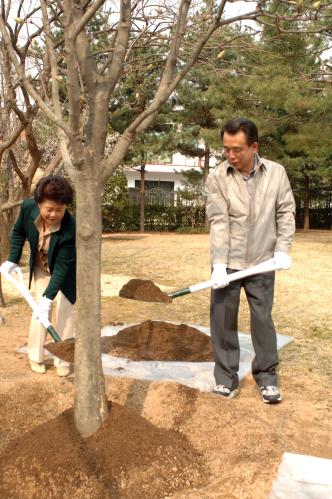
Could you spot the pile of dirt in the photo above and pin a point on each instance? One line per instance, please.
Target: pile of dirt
(143, 290)
(127, 457)
(157, 340)
(149, 340)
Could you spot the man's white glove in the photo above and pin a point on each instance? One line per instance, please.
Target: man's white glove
(43, 310)
(283, 260)
(219, 276)
(8, 267)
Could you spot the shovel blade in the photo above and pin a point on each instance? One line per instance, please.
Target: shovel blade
(65, 350)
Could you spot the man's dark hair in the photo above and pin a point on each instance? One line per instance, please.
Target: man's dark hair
(241, 125)
(54, 188)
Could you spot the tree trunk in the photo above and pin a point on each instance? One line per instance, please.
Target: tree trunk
(90, 398)
(2, 299)
(306, 198)
(206, 172)
(142, 200)
(4, 240)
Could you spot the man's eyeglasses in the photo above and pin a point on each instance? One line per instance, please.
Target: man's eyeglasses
(235, 150)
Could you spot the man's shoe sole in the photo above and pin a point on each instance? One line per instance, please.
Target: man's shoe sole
(272, 401)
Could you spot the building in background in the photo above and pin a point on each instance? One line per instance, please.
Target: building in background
(164, 176)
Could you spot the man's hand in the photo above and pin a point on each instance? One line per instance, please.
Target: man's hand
(283, 260)
(219, 276)
(44, 308)
(8, 267)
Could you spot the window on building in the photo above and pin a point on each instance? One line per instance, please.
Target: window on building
(155, 184)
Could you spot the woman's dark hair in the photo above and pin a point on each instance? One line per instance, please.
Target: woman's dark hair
(241, 125)
(54, 188)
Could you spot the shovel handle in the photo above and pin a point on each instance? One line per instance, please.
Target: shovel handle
(19, 284)
(267, 266)
(50, 329)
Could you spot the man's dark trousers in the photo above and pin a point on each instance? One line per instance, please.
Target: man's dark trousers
(225, 302)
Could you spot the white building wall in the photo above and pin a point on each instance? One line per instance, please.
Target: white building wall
(167, 172)
(177, 178)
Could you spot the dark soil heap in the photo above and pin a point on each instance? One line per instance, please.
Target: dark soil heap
(149, 340)
(143, 290)
(156, 340)
(127, 457)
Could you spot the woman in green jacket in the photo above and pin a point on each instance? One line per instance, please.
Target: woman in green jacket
(50, 230)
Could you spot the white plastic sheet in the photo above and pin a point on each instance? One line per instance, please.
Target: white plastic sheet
(194, 374)
(303, 477)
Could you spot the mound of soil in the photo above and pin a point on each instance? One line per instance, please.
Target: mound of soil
(149, 340)
(157, 340)
(127, 457)
(143, 290)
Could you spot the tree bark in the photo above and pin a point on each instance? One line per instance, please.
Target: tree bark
(90, 397)
(4, 240)
(306, 198)
(2, 299)
(206, 172)
(142, 200)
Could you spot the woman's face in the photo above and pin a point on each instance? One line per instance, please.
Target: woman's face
(51, 212)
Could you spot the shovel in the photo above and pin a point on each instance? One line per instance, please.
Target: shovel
(19, 284)
(267, 266)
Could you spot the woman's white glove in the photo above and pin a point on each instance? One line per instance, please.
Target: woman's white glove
(283, 260)
(219, 275)
(8, 267)
(44, 308)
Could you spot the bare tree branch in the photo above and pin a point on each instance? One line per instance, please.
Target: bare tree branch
(10, 205)
(87, 16)
(17, 170)
(54, 163)
(23, 77)
(11, 139)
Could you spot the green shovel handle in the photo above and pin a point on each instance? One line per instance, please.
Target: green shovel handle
(179, 292)
(53, 333)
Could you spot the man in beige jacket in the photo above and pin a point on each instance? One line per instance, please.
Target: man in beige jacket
(251, 209)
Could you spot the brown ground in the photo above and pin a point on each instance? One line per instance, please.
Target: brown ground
(163, 439)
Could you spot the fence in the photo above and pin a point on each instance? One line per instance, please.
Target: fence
(320, 206)
(161, 197)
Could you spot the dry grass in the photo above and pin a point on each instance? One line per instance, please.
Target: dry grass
(241, 440)
(302, 295)
(302, 299)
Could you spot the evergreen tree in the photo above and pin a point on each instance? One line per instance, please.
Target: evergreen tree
(293, 108)
(157, 141)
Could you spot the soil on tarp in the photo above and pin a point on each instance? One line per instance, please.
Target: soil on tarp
(149, 340)
(127, 457)
(157, 340)
(143, 290)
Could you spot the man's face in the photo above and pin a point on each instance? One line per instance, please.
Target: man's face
(51, 212)
(238, 153)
